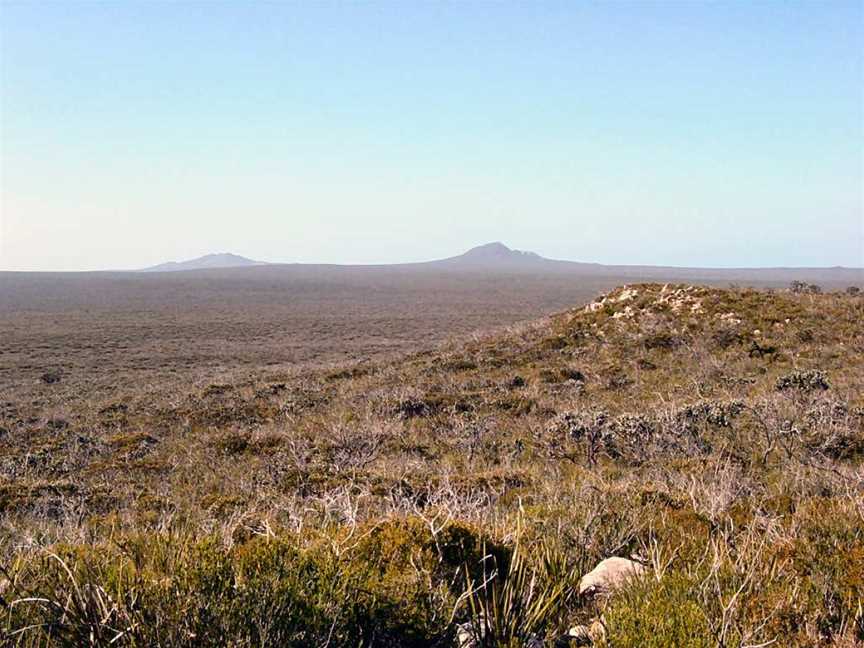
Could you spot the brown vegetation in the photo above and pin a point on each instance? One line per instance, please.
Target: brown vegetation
(389, 501)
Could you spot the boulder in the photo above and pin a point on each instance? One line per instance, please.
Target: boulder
(610, 574)
(583, 635)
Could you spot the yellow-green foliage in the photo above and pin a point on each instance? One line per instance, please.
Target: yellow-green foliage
(664, 614)
(393, 581)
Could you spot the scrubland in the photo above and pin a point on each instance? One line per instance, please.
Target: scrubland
(715, 435)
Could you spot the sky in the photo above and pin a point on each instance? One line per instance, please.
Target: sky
(682, 132)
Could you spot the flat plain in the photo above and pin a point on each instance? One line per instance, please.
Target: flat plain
(124, 327)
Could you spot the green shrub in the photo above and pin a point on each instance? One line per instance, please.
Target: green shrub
(649, 614)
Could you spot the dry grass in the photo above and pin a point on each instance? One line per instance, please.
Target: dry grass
(718, 434)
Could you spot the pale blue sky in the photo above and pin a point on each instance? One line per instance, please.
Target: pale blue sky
(673, 133)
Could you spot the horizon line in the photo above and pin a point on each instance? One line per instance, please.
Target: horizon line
(537, 257)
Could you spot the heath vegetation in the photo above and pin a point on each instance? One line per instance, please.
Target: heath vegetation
(457, 495)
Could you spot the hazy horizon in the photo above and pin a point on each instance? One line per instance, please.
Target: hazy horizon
(277, 262)
(691, 135)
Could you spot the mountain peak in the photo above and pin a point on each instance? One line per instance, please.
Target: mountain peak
(497, 252)
(223, 256)
(215, 260)
(496, 247)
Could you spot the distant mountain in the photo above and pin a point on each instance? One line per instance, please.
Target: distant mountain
(223, 260)
(492, 256)
(497, 253)
(497, 257)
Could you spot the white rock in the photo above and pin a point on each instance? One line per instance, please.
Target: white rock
(730, 318)
(627, 293)
(587, 635)
(610, 574)
(465, 636)
(580, 632)
(626, 313)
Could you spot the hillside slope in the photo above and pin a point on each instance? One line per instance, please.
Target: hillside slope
(716, 435)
